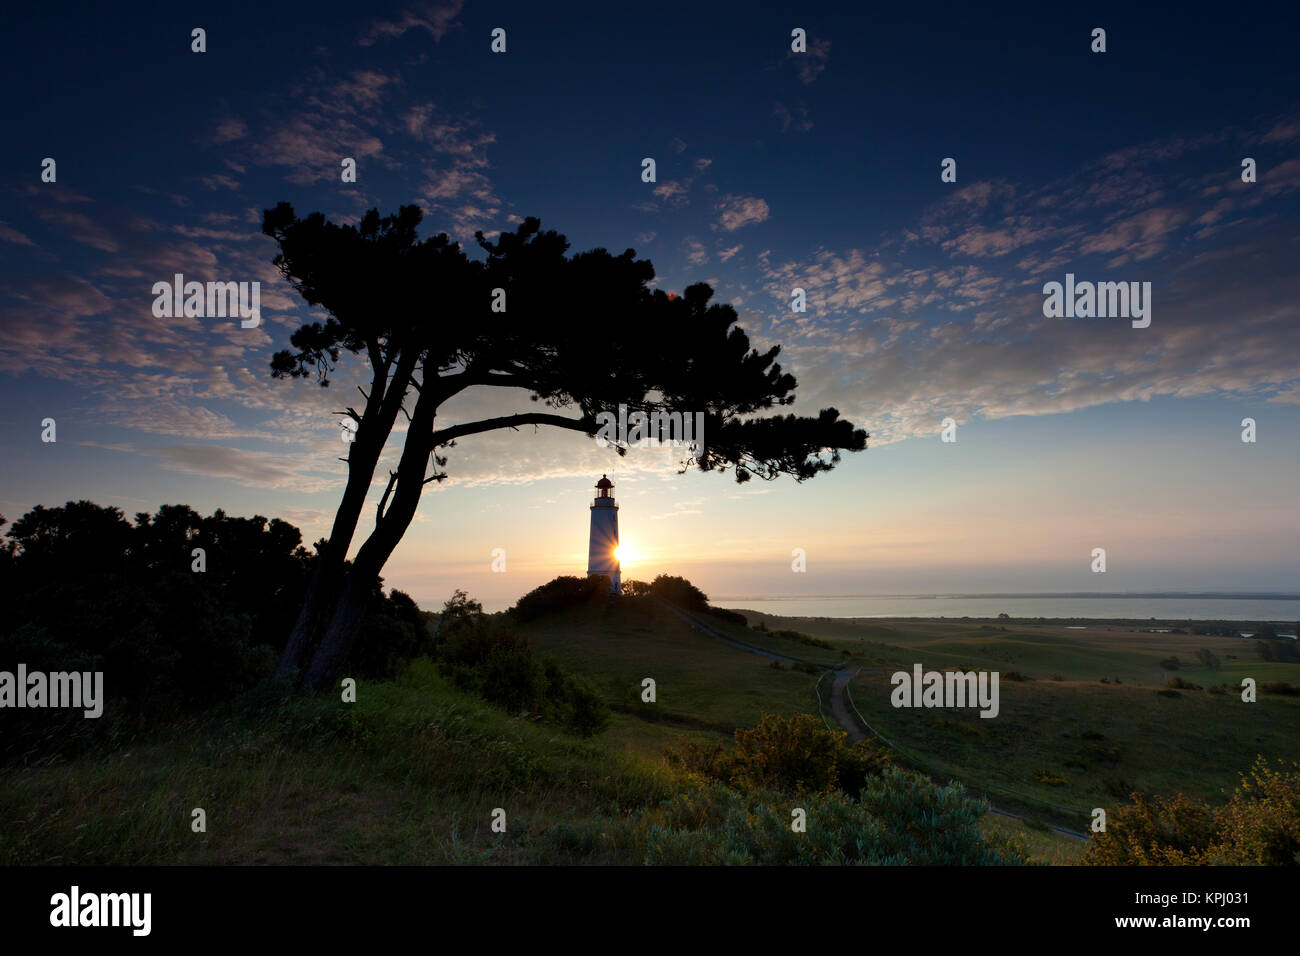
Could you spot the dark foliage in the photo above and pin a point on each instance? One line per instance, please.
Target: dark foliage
(87, 590)
(560, 594)
(680, 592)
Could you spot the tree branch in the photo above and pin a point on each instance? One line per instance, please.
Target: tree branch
(392, 480)
(587, 425)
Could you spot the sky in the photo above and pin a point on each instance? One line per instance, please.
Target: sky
(775, 169)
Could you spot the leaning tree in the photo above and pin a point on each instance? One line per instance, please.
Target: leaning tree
(579, 334)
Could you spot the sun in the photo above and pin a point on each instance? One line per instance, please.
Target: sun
(623, 554)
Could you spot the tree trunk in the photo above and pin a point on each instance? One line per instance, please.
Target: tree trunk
(323, 587)
(336, 645)
(382, 406)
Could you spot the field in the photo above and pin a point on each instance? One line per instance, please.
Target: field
(1092, 720)
(412, 772)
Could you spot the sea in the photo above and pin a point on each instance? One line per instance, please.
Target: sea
(1284, 608)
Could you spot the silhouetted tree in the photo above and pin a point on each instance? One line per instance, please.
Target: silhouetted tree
(583, 333)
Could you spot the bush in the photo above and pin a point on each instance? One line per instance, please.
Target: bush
(795, 754)
(1260, 826)
(899, 818)
(494, 661)
(633, 588)
(558, 595)
(680, 592)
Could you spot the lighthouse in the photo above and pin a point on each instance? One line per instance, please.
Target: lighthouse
(602, 557)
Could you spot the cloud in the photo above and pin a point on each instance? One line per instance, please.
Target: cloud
(1138, 237)
(736, 211)
(792, 119)
(219, 181)
(10, 234)
(229, 130)
(1283, 131)
(436, 19)
(252, 468)
(811, 64)
(81, 228)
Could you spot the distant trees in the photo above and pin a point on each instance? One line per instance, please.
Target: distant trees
(1282, 651)
(1208, 658)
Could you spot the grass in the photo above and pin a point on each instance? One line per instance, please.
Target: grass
(1074, 741)
(412, 772)
(701, 684)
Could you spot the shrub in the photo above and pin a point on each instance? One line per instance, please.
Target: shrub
(491, 659)
(680, 592)
(899, 818)
(794, 754)
(1260, 826)
(558, 595)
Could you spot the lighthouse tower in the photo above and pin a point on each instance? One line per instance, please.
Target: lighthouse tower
(601, 558)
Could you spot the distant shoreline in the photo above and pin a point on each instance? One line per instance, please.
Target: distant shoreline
(1072, 595)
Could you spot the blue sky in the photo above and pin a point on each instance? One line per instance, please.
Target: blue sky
(774, 170)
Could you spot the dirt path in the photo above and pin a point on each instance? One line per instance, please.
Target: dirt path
(839, 709)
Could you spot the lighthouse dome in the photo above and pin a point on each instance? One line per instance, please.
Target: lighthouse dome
(604, 482)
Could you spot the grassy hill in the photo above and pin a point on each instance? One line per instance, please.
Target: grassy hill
(413, 771)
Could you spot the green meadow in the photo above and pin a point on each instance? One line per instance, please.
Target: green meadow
(413, 771)
(1092, 718)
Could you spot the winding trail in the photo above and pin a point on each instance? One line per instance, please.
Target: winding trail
(839, 708)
